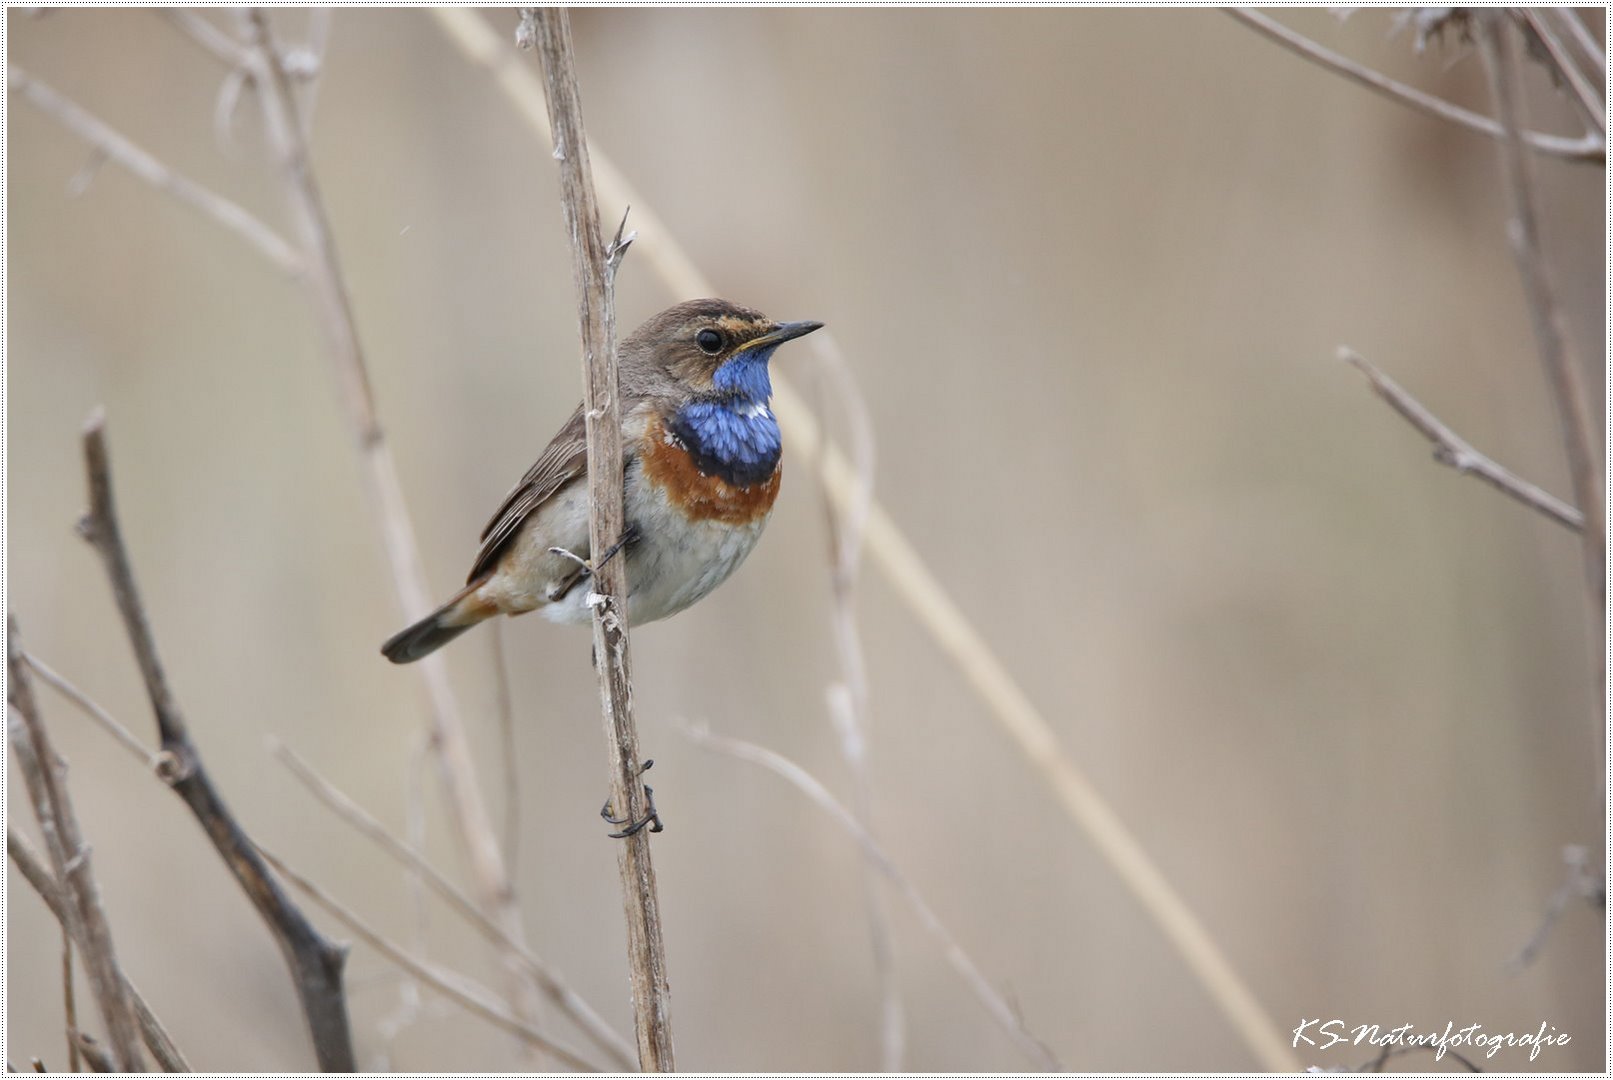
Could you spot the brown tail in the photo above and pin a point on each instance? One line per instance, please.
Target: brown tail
(459, 614)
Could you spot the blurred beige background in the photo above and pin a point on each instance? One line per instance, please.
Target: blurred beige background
(1090, 270)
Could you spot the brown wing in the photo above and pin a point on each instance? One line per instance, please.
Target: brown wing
(565, 459)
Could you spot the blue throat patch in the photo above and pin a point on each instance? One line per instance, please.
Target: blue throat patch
(736, 438)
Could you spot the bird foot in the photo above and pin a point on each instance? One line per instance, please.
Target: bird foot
(651, 817)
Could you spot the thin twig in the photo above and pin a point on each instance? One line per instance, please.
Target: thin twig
(1453, 450)
(220, 45)
(594, 270)
(996, 1005)
(1585, 96)
(1564, 374)
(45, 776)
(504, 709)
(848, 699)
(475, 998)
(456, 765)
(1586, 42)
(316, 964)
(917, 587)
(119, 149)
(69, 1002)
(155, 760)
(551, 981)
(1582, 882)
(34, 871)
(1588, 147)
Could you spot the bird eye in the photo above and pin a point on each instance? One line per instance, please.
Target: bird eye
(710, 342)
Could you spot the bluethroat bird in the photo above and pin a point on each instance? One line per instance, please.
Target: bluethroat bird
(701, 452)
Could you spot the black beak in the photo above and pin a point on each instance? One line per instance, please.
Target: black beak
(783, 332)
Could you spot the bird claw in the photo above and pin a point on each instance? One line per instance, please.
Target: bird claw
(651, 817)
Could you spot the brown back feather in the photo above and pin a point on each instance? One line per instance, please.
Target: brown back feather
(564, 461)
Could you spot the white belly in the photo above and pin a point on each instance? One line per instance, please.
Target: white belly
(674, 562)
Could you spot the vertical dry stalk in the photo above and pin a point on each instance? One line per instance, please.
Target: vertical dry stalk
(1564, 375)
(45, 775)
(594, 268)
(328, 291)
(316, 964)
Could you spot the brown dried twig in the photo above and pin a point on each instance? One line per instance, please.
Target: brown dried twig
(996, 1005)
(550, 981)
(451, 984)
(316, 963)
(45, 776)
(33, 870)
(456, 765)
(1453, 450)
(594, 269)
(1589, 147)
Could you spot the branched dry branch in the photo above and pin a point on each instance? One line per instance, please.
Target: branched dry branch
(552, 983)
(45, 776)
(34, 871)
(1453, 450)
(475, 998)
(119, 149)
(996, 1005)
(316, 964)
(1589, 147)
(594, 270)
(328, 290)
(917, 587)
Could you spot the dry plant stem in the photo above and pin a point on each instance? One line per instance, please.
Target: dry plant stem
(808, 785)
(69, 1003)
(1585, 41)
(919, 590)
(465, 991)
(1451, 449)
(848, 700)
(131, 157)
(593, 269)
(225, 49)
(1585, 96)
(456, 767)
(1564, 375)
(506, 736)
(94, 1056)
(157, 762)
(565, 999)
(1590, 147)
(45, 776)
(33, 869)
(316, 964)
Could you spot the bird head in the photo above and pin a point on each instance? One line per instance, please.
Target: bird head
(715, 349)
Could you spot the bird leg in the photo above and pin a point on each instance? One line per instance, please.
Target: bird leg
(585, 567)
